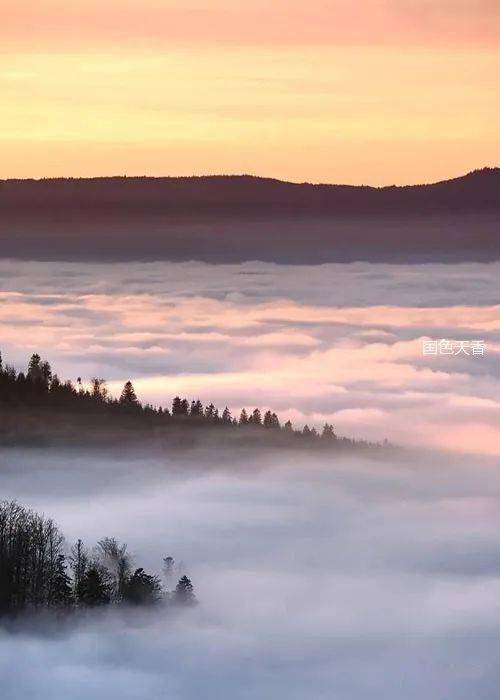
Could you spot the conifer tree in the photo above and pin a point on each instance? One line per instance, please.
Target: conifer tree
(210, 412)
(256, 417)
(142, 588)
(328, 433)
(176, 406)
(93, 590)
(61, 594)
(184, 592)
(128, 396)
(33, 372)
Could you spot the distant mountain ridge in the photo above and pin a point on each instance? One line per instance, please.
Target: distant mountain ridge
(229, 219)
(237, 194)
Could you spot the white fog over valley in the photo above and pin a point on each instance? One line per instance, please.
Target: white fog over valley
(318, 575)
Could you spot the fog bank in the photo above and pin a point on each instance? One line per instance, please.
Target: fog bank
(354, 578)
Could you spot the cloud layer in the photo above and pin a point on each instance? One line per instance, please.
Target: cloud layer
(348, 577)
(339, 343)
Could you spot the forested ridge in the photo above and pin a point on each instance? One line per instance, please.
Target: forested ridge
(38, 398)
(231, 219)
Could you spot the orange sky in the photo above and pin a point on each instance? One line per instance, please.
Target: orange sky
(378, 91)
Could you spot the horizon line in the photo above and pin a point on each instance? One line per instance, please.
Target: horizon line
(242, 175)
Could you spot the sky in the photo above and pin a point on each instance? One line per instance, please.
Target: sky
(379, 92)
(332, 343)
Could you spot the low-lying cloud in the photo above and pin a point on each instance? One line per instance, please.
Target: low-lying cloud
(335, 343)
(347, 577)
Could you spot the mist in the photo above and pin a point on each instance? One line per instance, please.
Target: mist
(335, 343)
(353, 577)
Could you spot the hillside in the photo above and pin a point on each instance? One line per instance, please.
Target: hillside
(235, 218)
(37, 408)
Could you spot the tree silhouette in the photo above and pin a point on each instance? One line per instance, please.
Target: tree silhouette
(196, 408)
(30, 546)
(176, 406)
(256, 417)
(168, 569)
(210, 412)
(33, 373)
(328, 433)
(128, 396)
(61, 593)
(93, 590)
(184, 592)
(99, 391)
(142, 588)
(78, 561)
(115, 559)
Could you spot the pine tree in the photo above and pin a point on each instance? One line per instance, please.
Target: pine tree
(93, 590)
(210, 412)
(226, 416)
(176, 406)
(142, 588)
(61, 594)
(128, 396)
(196, 408)
(33, 372)
(45, 372)
(256, 417)
(184, 592)
(268, 419)
(243, 417)
(328, 433)
(288, 426)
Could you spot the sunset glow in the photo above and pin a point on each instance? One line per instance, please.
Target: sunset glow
(330, 92)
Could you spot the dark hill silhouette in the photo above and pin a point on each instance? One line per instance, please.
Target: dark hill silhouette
(234, 218)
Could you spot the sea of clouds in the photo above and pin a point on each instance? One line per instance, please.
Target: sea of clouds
(344, 577)
(337, 343)
(316, 577)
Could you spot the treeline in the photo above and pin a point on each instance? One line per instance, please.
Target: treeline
(40, 387)
(36, 571)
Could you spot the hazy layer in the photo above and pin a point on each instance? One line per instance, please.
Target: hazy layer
(352, 579)
(337, 343)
